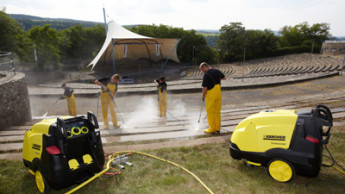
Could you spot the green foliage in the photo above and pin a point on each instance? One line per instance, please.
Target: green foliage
(78, 42)
(259, 43)
(234, 38)
(69, 46)
(47, 42)
(303, 34)
(231, 41)
(189, 38)
(10, 33)
(302, 37)
(211, 39)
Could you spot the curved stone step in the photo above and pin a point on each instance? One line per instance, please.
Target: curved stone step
(334, 67)
(329, 66)
(322, 67)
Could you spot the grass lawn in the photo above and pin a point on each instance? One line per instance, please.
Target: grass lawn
(211, 163)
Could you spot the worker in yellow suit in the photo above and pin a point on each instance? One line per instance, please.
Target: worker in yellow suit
(212, 92)
(108, 91)
(69, 96)
(162, 96)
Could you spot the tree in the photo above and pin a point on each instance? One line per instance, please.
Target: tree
(47, 41)
(78, 42)
(259, 43)
(231, 41)
(9, 30)
(301, 36)
(13, 38)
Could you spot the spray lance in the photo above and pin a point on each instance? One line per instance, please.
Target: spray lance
(202, 106)
(111, 97)
(46, 113)
(169, 112)
(158, 98)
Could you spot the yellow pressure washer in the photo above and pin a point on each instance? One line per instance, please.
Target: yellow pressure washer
(63, 151)
(284, 141)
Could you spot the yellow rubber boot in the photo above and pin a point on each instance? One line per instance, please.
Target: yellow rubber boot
(213, 106)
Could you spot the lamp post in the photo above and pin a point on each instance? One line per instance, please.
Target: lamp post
(218, 56)
(194, 55)
(244, 58)
(312, 50)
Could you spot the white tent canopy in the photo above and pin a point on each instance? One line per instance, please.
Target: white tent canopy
(134, 46)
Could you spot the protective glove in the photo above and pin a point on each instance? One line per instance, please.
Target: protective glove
(105, 88)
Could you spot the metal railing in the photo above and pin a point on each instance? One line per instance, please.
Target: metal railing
(6, 62)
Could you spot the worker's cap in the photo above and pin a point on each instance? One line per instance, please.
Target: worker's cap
(63, 85)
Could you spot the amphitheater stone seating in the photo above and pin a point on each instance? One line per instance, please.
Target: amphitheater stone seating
(277, 66)
(291, 65)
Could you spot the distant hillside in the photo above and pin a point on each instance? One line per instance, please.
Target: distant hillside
(28, 22)
(205, 31)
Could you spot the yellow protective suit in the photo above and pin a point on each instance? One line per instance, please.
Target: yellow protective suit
(213, 107)
(107, 102)
(71, 105)
(162, 103)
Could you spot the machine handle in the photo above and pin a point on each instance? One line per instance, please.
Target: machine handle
(93, 119)
(61, 126)
(328, 112)
(324, 113)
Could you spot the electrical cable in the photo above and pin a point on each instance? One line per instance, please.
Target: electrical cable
(172, 163)
(334, 163)
(92, 178)
(113, 157)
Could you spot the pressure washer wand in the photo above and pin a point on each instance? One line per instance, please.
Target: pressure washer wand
(45, 114)
(202, 105)
(99, 96)
(173, 116)
(118, 110)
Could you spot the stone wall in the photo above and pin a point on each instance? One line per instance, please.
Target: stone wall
(14, 99)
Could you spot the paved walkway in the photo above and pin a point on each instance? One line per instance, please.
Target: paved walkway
(252, 74)
(179, 86)
(181, 131)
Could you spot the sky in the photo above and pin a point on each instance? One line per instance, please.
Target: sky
(191, 14)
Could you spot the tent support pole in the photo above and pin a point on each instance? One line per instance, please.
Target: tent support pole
(166, 61)
(113, 51)
(148, 52)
